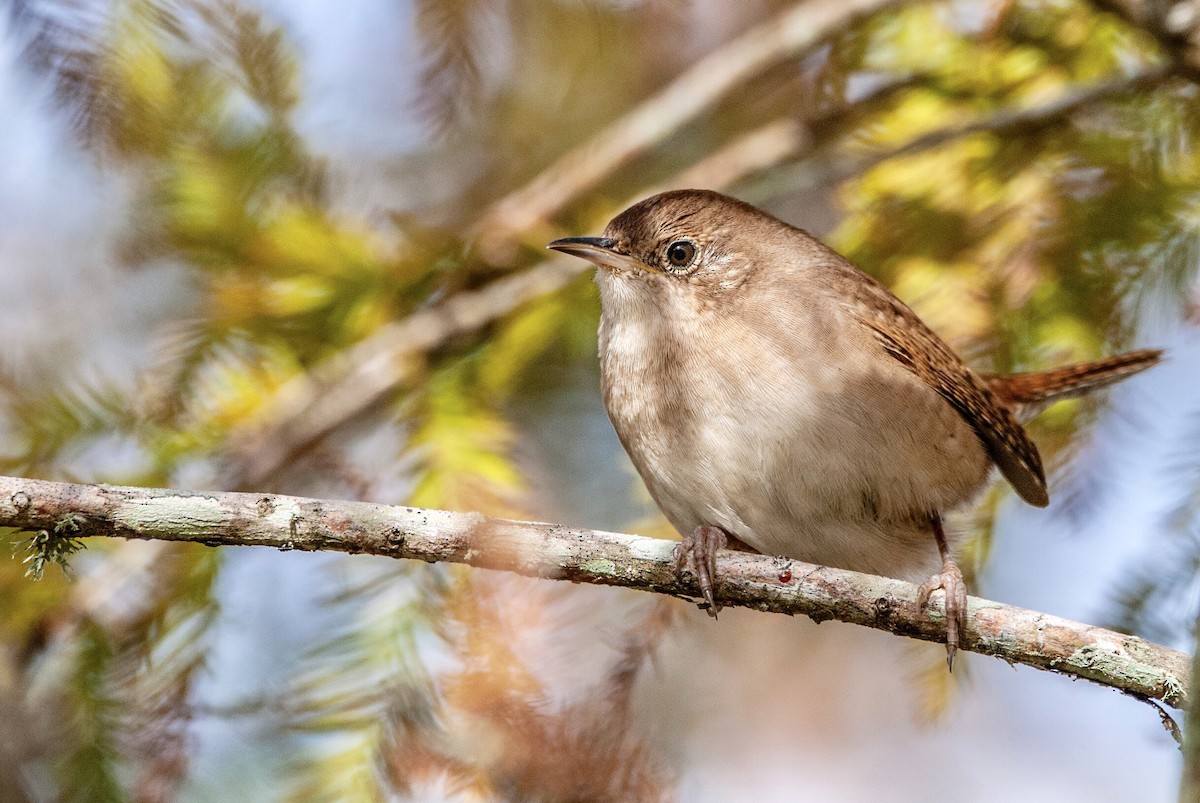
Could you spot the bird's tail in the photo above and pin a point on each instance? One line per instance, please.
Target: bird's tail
(1042, 387)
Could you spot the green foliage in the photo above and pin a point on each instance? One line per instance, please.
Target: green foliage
(51, 426)
(89, 767)
(363, 686)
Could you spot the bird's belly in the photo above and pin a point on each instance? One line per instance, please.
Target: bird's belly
(831, 473)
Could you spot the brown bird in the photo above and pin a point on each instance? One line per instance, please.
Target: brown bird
(771, 393)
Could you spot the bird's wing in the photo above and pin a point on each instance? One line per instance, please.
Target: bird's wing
(907, 339)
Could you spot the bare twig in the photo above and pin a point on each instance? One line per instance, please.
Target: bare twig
(553, 551)
(1168, 722)
(339, 390)
(697, 90)
(758, 150)
(1006, 121)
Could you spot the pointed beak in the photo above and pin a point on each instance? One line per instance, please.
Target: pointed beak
(600, 251)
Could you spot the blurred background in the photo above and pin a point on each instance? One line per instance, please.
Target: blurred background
(299, 247)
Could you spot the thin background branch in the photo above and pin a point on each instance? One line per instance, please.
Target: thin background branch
(697, 90)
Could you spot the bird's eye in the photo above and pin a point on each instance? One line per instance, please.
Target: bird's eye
(681, 253)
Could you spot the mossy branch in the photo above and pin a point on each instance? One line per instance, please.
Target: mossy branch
(1129, 664)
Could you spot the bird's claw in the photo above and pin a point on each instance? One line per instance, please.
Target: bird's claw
(949, 580)
(697, 552)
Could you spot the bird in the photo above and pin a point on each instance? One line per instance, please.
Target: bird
(774, 397)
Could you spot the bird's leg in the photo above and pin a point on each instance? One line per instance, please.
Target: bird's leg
(950, 580)
(698, 552)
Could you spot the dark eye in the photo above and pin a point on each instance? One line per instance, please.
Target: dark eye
(681, 253)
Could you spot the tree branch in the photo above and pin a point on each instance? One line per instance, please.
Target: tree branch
(692, 93)
(1009, 121)
(552, 551)
(314, 404)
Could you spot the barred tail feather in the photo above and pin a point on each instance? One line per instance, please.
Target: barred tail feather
(1041, 387)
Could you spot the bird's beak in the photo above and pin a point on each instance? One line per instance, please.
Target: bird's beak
(600, 251)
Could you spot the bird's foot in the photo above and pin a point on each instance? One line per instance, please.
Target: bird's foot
(697, 552)
(950, 581)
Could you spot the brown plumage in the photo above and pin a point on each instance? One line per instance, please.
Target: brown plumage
(905, 337)
(768, 390)
(1043, 387)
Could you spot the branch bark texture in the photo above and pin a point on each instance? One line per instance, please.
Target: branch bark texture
(553, 551)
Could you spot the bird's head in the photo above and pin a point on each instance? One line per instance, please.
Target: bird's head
(683, 244)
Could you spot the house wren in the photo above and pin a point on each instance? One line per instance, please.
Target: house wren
(770, 392)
